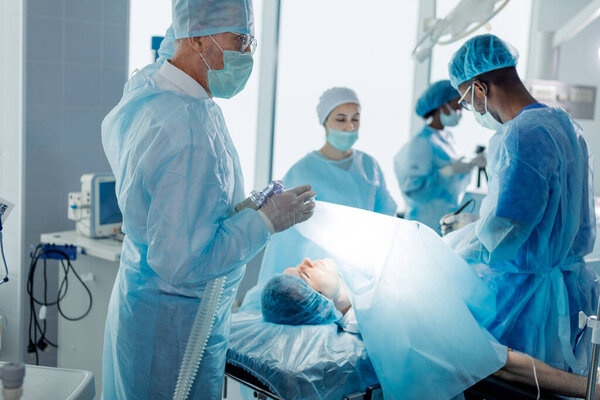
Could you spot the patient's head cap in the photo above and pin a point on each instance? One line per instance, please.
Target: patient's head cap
(287, 299)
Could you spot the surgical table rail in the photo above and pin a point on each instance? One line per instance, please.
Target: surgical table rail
(491, 388)
(261, 391)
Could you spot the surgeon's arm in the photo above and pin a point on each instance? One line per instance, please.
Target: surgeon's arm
(517, 198)
(519, 368)
(192, 236)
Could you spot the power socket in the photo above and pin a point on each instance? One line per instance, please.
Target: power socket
(6, 208)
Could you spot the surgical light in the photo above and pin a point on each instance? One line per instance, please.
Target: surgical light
(464, 19)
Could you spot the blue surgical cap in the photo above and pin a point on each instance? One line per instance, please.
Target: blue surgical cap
(193, 18)
(437, 93)
(480, 54)
(287, 299)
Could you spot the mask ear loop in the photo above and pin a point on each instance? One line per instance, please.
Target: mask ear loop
(203, 59)
(485, 98)
(213, 39)
(473, 96)
(201, 55)
(444, 107)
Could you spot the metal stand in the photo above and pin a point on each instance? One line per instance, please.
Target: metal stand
(592, 322)
(484, 172)
(480, 150)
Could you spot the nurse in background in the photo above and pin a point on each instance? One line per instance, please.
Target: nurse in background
(431, 176)
(337, 172)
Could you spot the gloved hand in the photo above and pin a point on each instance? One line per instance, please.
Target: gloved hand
(289, 208)
(457, 168)
(451, 222)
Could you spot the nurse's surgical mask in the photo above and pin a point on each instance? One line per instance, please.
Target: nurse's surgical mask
(450, 119)
(237, 67)
(342, 140)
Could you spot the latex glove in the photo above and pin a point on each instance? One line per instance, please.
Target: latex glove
(289, 208)
(480, 161)
(451, 222)
(457, 168)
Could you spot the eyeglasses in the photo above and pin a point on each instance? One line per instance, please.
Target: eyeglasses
(463, 103)
(246, 40)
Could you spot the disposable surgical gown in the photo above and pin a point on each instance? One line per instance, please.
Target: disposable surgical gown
(177, 179)
(537, 223)
(428, 194)
(356, 181)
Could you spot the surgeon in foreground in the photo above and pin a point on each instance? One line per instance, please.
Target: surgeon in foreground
(537, 220)
(178, 180)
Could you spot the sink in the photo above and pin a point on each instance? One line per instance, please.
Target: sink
(57, 383)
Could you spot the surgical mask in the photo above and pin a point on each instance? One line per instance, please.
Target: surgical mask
(450, 119)
(342, 140)
(486, 119)
(229, 81)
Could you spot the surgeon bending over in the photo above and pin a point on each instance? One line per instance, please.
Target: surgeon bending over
(537, 220)
(313, 293)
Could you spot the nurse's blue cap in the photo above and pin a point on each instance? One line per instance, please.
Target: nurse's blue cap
(437, 93)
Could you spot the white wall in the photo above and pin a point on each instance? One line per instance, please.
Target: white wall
(148, 18)
(578, 61)
(63, 68)
(75, 68)
(362, 45)
(11, 173)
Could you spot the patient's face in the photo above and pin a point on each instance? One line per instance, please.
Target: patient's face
(321, 275)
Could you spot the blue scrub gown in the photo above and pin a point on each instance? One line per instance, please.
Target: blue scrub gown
(356, 181)
(429, 195)
(537, 222)
(178, 178)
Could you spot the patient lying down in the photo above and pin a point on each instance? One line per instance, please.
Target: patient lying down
(313, 293)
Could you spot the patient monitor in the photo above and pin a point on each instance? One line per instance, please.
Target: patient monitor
(95, 208)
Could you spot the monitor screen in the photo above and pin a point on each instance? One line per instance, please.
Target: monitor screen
(109, 208)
